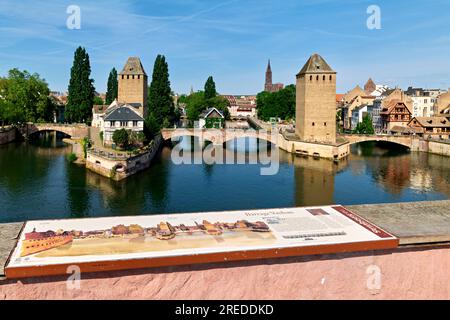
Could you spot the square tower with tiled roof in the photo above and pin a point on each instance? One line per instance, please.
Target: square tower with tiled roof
(133, 85)
(316, 102)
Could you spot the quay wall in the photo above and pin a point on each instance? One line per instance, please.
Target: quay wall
(7, 135)
(431, 146)
(109, 166)
(333, 152)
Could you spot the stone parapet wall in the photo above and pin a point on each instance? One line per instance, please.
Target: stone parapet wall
(416, 273)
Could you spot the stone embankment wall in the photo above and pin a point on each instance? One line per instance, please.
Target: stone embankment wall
(119, 169)
(431, 146)
(7, 135)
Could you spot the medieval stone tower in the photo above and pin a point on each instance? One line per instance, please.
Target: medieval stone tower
(133, 85)
(316, 102)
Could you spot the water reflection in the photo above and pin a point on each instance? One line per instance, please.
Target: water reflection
(37, 182)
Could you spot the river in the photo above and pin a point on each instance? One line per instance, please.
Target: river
(37, 182)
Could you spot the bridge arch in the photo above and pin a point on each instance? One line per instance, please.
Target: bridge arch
(75, 131)
(405, 141)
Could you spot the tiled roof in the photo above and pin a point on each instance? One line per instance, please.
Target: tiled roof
(316, 64)
(123, 113)
(208, 111)
(433, 122)
(133, 66)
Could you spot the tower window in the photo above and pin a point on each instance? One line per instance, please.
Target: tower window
(128, 77)
(323, 78)
(310, 78)
(132, 76)
(139, 76)
(325, 124)
(317, 78)
(331, 78)
(313, 124)
(123, 77)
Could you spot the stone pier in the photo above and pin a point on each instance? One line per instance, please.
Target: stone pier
(418, 269)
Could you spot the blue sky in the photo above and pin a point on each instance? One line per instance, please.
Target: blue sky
(232, 40)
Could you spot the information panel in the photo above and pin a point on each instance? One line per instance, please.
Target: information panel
(100, 244)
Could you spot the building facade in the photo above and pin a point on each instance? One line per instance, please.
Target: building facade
(359, 113)
(431, 127)
(316, 102)
(123, 117)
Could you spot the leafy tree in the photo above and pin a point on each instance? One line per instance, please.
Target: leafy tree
(197, 102)
(210, 88)
(98, 100)
(120, 137)
(113, 87)
(81, 89)
(160, 101)
(279, 104)
(25, 97)
(151, 126)
(365, 127)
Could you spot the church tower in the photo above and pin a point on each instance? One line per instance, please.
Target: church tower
(316, 102)
(133, 85)
(268, 85)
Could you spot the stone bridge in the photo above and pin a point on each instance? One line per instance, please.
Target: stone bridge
(406, 141)
(75, 131)
(218, 136)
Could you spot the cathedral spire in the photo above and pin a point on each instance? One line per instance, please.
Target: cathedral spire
(268, 85)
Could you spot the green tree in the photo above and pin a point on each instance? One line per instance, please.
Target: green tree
(81, 89)
(365, 127)
(98, 100)
(120, 137)
(279, 104)
(160, 101)
(25, 97)
(210, 88)
(113, 87)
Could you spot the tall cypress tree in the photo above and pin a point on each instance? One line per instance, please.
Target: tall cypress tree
(81, 89)
(210, 88)
(160, 102)
(113, 87)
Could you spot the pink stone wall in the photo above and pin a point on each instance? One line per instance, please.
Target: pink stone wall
(405, 274)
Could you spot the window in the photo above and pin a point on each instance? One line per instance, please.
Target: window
(112, 123)
(323, 78)
(132, 77)
(123, 123)
(313, 124)
(317, 78)
(135, 123)
(325, 124)
(310, 78)
(139, 76)
(128, 77)
(123, 77)
(331, 78)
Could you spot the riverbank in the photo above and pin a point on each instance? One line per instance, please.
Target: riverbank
(7, 134)
(418, 269)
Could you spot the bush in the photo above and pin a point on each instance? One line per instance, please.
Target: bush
(120, 137)
(71, 157)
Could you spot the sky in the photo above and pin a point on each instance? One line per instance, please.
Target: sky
(232, 40)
